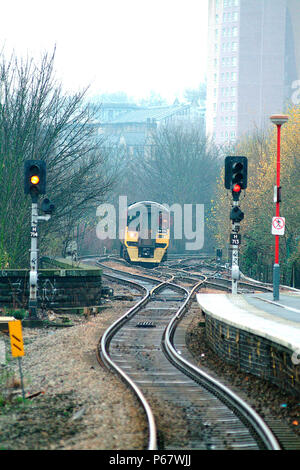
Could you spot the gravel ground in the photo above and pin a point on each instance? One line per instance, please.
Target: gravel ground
(82, 405)
(268, 400)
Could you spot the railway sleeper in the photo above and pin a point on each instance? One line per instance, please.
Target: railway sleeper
(145, 324)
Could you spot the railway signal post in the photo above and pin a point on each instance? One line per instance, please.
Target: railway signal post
(236, 170)
(235, 239)
(278, 120)
(35, 185)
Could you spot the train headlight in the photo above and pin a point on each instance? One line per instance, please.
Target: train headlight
(133, 234)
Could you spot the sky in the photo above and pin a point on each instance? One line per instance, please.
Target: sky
(134, 46)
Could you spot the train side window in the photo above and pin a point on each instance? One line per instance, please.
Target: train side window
(131, 218)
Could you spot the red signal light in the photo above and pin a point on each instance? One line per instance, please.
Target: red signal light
(236, 188)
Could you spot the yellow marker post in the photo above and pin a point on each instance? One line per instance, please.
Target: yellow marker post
(17, 345)
(16, 338)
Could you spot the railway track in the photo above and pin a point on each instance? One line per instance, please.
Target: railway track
(187, 269)
(185, 408)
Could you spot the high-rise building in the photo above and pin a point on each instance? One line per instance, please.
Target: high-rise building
(253, 63)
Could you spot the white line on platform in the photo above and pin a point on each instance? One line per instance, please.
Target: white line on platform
(278, 305)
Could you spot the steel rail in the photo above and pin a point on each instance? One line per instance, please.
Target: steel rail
(109, 333)
(104, 354)
(248, 414)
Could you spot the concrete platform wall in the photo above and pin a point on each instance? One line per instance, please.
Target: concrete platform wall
(59, 286)
(253, 354)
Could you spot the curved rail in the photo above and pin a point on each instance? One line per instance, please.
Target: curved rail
(224, 393)
(109, 333)
(246, 413)
(103, 346)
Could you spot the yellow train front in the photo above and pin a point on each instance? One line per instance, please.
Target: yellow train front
(145, 239)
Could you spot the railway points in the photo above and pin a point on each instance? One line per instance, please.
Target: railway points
(137, 351)
(136, 354)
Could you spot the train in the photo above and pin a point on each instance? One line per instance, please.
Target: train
(146, 236)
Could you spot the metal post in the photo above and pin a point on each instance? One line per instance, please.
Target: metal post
(276, 267)
(235, 270)
(276, 281)
(235, 264)
(33, 261)
(21, 376)
(278, 120)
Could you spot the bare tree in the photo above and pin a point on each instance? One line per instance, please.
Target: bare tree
(39, 121)
(182, 166)
(196, 95)
(182, 169)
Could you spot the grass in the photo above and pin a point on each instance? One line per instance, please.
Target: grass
(18, 314)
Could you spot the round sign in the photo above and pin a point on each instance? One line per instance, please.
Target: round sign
(278, 223)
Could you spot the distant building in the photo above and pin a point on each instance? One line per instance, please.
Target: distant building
(133, 126)
(253, 63)
(111, 111)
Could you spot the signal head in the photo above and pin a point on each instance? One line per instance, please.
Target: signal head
(236, 215)
(47, 206)
(34, 178)
(236, 173)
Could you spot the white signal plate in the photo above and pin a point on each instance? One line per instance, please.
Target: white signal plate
(278, 225)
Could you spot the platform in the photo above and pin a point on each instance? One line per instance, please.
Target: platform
(257, 313)
(4, 322)
(6, 319)
(258, 334)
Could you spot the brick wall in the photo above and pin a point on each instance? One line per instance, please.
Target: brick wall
(253, 354)
(57, 287)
